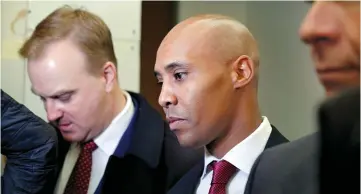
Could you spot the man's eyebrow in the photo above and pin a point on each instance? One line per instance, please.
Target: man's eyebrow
(171, 66)
(56, 94)
(174, 65)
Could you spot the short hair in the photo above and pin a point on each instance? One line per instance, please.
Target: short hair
(87, 30)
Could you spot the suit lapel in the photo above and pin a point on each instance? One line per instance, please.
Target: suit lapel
(138, 170)
(275, 138)
(188, 183)
(129, 175)
(63, 148)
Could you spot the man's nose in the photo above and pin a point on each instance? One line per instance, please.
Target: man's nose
(319, 25)
(167, 97)
(52, 112)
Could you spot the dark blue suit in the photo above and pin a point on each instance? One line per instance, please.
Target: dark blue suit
(148, 159)
(188, 183)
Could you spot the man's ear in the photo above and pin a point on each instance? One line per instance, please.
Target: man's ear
(109, 75)
(243, 71)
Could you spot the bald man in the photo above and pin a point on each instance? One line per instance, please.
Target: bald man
(208, 69)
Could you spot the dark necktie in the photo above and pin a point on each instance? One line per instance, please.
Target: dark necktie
(78, 182)
(222, 172)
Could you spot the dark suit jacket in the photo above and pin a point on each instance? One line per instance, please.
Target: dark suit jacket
(154, 160)
(340, 144)
(295, 167)
(188, 183)
(290, 168)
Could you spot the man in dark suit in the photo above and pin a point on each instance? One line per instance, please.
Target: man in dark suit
(208, 68)
(332, 30)
(113, 141)
(340, 145)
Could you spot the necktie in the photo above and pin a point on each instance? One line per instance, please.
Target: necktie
(78, 182)
(222, 172)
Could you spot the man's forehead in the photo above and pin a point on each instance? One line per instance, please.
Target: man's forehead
(184, 48)
(63, 50)
(187, 37)
(173, 51)
(58, 58)
(56, 71)
(49, 85)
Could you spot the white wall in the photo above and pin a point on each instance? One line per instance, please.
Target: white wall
(288, 86)
(12, 68)
(236, 9)
(122, 17)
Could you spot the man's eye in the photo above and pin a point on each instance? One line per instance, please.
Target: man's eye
(64, 98)
(180, 76)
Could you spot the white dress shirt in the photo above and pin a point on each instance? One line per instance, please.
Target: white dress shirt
(242, 156)
(107, 143)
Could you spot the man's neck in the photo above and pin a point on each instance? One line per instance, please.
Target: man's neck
(116, 103)
(119, 101)
(246, 120)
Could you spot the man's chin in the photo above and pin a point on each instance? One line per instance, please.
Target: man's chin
(331, 93)
(71, 137)
(187, 142)
(334, 91)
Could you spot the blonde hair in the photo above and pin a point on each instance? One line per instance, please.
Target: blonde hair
(88, 31)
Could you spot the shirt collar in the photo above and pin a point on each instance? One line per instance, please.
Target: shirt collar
(108, 140)
(244, 154)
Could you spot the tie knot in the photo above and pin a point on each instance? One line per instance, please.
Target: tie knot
(222, 171)
(89, 146)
